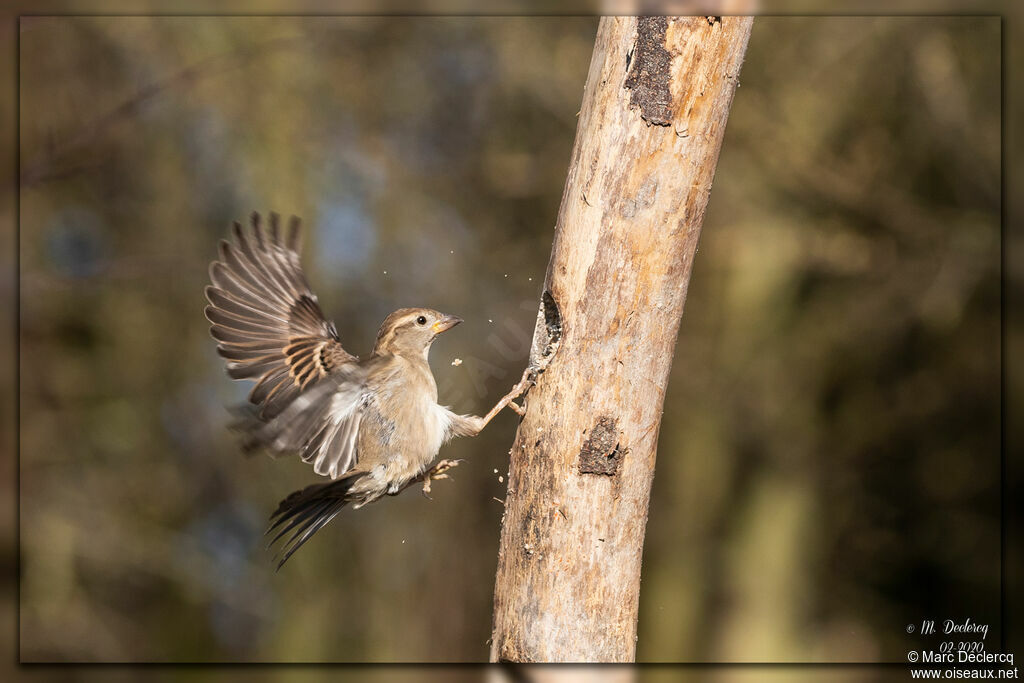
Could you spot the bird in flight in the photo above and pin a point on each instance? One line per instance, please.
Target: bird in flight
(371, 426)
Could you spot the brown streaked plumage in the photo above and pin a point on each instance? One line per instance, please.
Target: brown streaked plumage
(373, 426)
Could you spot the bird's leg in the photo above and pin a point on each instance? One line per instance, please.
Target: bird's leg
(507, 399)
(471, 425)
(438, 471)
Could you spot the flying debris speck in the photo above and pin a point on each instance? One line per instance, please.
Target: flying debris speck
(457, 362)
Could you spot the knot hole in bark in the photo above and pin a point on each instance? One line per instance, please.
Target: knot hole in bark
(547, 334)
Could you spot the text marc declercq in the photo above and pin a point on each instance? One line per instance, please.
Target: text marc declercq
(962, 657)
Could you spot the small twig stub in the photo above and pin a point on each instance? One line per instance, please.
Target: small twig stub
(601, 453)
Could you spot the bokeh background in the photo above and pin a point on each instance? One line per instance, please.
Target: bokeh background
(828, 465)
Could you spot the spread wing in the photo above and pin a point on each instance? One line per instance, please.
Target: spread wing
(269, 327)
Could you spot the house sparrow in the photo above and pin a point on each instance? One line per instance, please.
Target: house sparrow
(372, 425)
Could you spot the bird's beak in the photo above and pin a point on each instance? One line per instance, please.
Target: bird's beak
(446, 323)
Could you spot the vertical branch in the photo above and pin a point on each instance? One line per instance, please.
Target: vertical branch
(657, 98)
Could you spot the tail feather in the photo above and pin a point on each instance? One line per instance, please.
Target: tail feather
(305, 512)
(308, 516)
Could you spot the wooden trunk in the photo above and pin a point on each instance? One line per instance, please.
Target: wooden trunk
(654, 111)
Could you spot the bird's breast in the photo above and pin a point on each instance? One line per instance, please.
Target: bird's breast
(407, 428)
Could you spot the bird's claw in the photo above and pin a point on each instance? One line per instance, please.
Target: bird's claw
(438, 471)
(517, 408)
(443, 466)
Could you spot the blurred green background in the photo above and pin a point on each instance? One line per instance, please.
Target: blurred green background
(829, 460)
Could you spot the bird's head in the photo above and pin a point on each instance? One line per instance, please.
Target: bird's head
(411, 331)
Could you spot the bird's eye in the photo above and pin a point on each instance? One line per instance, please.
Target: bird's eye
(422, 320)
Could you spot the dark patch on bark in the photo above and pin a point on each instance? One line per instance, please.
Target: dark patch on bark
(649, 76)
(714, 20)
(601, 453)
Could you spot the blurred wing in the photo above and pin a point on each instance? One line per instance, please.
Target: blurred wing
(321, 424)
(267, 322)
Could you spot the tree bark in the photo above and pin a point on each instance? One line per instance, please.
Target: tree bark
(654, 111)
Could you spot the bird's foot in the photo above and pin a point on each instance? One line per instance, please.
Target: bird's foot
(517, 408)
(438, 471)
